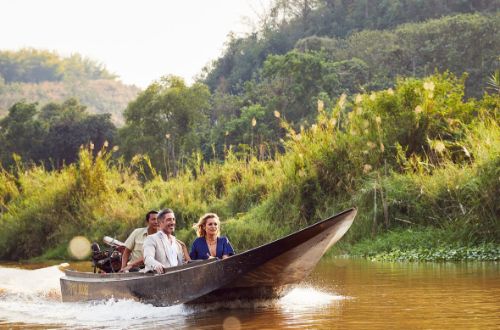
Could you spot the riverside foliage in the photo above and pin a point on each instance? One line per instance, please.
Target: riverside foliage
(417, 157)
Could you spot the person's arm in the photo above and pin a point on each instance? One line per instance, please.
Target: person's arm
(227, 249)
(194, 251)
(125, 256)
(136, 263)
(184, 251)
(149, 249)
(129, 246)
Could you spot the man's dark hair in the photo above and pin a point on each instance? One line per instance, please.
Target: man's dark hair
(162, 213)
(149, 213)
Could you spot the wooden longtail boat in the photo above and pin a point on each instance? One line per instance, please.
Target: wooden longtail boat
(265, 272)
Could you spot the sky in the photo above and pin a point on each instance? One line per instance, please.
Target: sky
(138, 40)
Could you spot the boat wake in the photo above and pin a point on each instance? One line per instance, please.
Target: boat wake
(32, 283)
(303, 298)
(33, 297)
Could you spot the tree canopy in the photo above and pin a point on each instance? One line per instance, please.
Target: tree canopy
(53, 134)
(166, 122)
(289, 21)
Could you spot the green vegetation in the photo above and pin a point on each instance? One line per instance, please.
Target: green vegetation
(417, 157)
(51, 135)
(425, 244)
(434, 33)
(304, 51)
(252, 79)
(389, 106)
(166, 121)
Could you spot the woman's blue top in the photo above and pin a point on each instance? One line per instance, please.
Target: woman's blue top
(199, 249)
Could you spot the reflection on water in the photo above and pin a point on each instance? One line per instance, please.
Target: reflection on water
(341, 293)
(414, 295)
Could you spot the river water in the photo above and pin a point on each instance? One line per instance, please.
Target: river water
(341, 293)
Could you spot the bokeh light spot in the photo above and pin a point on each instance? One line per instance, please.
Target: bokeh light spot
(79, 247)
(231, 323)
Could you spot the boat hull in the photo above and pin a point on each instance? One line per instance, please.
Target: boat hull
(268, 271)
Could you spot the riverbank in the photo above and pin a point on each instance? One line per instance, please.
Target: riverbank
(423, 245)
(421, 165)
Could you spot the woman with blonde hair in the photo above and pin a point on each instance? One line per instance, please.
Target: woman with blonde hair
(209, 244)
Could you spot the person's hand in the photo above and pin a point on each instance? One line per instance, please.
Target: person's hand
(158, 268)
(125, 269)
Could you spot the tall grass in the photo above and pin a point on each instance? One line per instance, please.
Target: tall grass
(47, 208)
(414, 158)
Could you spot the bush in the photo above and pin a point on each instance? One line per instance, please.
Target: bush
(416, 159)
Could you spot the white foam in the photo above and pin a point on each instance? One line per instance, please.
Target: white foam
(110, 313)
(33, 297)
(14, 280)
(303, 298)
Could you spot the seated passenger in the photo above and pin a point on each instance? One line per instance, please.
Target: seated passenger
(132, 258)
(209, 244)
(163, 250)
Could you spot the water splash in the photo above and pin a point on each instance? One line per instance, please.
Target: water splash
(111, 314)
(33, 297)
(304, 298)
(43, 281)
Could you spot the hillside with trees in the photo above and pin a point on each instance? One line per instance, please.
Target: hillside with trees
(41, 76)
(389, 106)
(254, 78)
(289, 21)
(304, 51)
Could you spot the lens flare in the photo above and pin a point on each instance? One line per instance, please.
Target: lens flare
(231, 323)
(79, 247)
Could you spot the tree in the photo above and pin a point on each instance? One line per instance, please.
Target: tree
(66, 135)
(292, 20)
(165, 122)
(284, 10)
(294, 82)
(69, 110)
(255, 127)
(34, 66)
(21, 133)
(54, 134)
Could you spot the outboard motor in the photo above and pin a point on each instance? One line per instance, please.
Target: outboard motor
(95, 248)
(110, 259)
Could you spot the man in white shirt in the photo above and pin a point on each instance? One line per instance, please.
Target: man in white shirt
(163, 250)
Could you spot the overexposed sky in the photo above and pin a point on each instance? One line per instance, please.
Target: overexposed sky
(139, 40)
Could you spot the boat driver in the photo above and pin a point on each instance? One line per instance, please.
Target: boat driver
(163, 250)
(132, 259)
